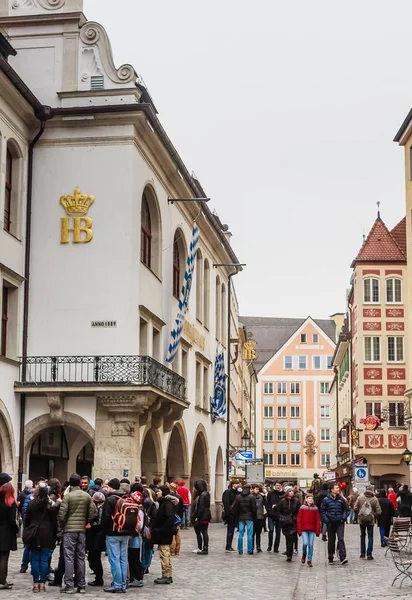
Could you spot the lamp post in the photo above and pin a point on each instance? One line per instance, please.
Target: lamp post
(407, 456)
(328, 463)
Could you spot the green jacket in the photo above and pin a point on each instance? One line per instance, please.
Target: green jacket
(76, 510)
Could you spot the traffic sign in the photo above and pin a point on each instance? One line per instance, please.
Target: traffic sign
(244, 455)
(362, 474)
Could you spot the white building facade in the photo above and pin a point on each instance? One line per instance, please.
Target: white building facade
(106, 263)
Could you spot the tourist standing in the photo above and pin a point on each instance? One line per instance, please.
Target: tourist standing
(333, 513)
(228, 498)
(392, 498)
(179, 509)
(8, 527)
(162, 532)
(288, 509)
(367, 508)
(259, 522)
(385, 518)
(95, 541)
(353, 517)
(183, 491)
(24, 494)
(308, 523)
(318, 501)
(273, 499)
(244, 511)
(76, 510)
(404, 501)
(202, 516)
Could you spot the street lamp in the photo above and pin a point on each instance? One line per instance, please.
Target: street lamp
(245, 438)
(407, 456)
(328, 463)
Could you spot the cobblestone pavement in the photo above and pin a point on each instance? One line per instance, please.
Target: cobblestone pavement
(224, 575)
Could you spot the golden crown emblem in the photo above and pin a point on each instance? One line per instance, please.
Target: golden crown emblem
(77, 204)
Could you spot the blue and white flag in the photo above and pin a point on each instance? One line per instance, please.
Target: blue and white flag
(218, 400)
(176, 333)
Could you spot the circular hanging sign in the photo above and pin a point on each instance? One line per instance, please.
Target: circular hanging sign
(371, 422)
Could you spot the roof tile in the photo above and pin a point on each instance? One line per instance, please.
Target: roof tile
(399, 233)
(380, 245)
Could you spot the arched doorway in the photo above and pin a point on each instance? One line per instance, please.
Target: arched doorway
(151, 457)
(7, 444)
(219, 475)
(176, 461)
(55, 452)
(200, 459)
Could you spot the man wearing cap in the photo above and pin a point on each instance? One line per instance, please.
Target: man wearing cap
(116, 541)
(76, 511)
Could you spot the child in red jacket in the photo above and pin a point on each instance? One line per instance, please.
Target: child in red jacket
(308, 527)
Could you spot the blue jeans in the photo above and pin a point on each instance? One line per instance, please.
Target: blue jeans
(147, 555)
(116, 546)
(248, 525)
(39, 558)
(185, 520)
(308, 538)
(363, 530)
(25, 558)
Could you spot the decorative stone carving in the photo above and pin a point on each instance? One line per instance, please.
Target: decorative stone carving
(46, 4)
(170, 420)
(89, 64)
(56, 405)
(93, 34)
(123, 429)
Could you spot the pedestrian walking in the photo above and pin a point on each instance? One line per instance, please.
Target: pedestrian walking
(76, 511)
(202, 516)
(275, 530)
(259, 522)
(162, 532)
(308, 523)
(353, 517)
(333, 513)
(228, 498)
(404, 501)
(368, 509)
(95, 541)
(244, 511)
(318, 501)
(8, 527)
(288, 510)
(40, 534)
(386, 516)
(392, 498)
(21, 501)
(184, 492)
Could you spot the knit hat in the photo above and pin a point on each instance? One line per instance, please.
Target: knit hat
(288, 489)
(125, 480)
(114, 483)
(4, 478)
(99, 498)
(173, 485)
(164, 489)
(182, 483)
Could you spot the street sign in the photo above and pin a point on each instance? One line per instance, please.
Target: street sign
(362, 474)
(244, 455)
(255, 473)
(329, 475)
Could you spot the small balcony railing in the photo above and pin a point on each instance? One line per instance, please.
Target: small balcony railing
(101, 370)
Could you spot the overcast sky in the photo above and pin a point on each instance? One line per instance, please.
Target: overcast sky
(286, 112)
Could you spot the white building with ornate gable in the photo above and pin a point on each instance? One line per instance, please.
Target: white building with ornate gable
(94, 259)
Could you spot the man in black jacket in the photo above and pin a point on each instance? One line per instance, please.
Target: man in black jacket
(318, 501)
(162, 532)
(244, 510)
(273, 499)
(228, 497)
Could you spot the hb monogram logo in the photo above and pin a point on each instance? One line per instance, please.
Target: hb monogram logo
(76, 206)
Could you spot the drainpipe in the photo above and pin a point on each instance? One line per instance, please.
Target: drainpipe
(229, 315)
(23, 372)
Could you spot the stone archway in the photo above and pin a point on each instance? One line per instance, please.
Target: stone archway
(219, 476)
(177, 455)
(7, 444)
(151, 455)
(200, 458)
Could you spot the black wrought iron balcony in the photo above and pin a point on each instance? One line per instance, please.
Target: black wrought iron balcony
(101, 370)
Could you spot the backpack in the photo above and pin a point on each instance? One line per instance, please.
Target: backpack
(146, 531)
(126, 516)
(366, 515)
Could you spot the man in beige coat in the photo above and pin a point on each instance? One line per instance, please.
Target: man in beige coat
(367, 508)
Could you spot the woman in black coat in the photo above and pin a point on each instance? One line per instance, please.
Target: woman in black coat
(288, 509)
(42, 517)
(8, 531)
(385, 519)
(201, 516)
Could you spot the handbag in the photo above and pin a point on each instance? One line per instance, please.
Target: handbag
(30, 532)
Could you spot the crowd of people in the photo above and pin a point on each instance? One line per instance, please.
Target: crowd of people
(83, 518)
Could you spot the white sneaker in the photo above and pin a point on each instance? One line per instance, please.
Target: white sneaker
(197, 551)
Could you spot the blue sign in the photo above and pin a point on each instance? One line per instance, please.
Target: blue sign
(244, 455)
(361, 473)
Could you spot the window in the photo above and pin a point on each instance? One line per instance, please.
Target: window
(198, 383)
(176, 267)
(144, 329)
(373, 409)
(344, 436)
(150, 232)
(324, 387)
(282, 435)
(268, 388)
(8, 192)
(393, 291)
(294, 412)
(281, 388)
(295, 435)
(282, 412)
(295, 460)
(302, 362)
(4, 319)
(371, 291)
(268, 435)
(268, 412)
(282, 460)
(303, 338)
(268, 460)
(157, 338)
(395, 349)
(315, 338)
(325, 435)
(205, 387)
(146, 234)
(372, 348)
(324, 412)
(206, 293)
(199, 286)
(288, 362)
(223, 317)
(316, 362)
(396, 414)
(324, 460)
(295, 388)
(218, 308)
(330, 362)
